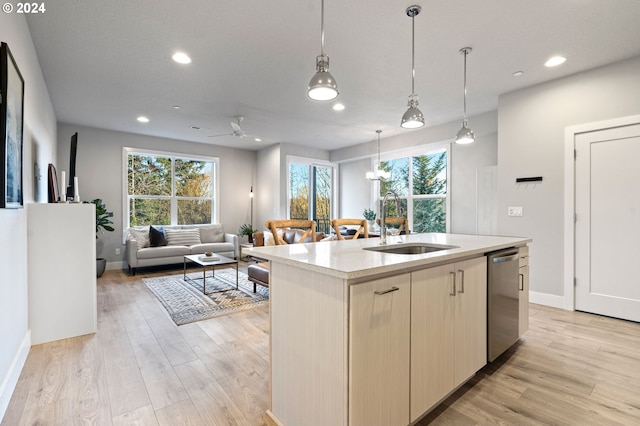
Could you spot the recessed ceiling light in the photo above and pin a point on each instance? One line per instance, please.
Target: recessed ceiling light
(555, 61)
(176, 107)
(181, 58)
(258, 140)
(338, 107)
(518, 73)
(143, 119)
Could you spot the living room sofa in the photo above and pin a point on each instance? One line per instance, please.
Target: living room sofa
(165, 245)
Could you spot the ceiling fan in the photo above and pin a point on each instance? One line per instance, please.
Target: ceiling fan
(237, 130)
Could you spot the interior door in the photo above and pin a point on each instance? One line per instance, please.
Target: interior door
(607, 230)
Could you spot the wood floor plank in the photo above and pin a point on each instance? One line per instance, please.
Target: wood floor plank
(182, 413)
(212, 402)
(162, 384)
(143, 416)
(127, 389)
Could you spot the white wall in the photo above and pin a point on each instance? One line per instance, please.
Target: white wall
(99, 167)
(268, 205)
(531, 130)
(355, 191)
(39, 147)
(467, 165)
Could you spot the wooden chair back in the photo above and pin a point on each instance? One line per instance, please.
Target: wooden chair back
(309, 226)
(363, 227)
(402, 222)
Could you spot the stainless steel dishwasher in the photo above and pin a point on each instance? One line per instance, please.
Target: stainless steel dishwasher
(502, 301)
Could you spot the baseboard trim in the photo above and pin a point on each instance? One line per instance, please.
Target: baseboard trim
(116, 265)
(271, 419)
(11, 380)
(547, 299)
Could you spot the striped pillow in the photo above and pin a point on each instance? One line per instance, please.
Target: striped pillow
(182, 237)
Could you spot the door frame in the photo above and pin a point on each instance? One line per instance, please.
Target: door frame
(570, 197)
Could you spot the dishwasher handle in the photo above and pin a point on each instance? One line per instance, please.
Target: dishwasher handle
(507, 258)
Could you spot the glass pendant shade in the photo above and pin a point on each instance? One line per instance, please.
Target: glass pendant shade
(322, 86)
(379, 174)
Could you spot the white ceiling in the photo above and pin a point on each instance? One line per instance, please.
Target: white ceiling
(107, 62)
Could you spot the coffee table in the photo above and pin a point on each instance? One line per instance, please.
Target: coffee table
(205, 263)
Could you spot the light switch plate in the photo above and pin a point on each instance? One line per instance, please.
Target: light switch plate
(515, 211)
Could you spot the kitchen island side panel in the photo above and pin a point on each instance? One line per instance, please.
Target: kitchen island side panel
(308, 347)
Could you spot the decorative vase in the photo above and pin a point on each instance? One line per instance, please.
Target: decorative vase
(101, 265)
(372, 225)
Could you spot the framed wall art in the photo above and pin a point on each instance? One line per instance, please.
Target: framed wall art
(11, 125)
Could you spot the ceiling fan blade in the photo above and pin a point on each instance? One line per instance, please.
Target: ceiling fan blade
(236, 127)
(225, 134)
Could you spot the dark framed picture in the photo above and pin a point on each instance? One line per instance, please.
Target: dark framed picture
(11, 124)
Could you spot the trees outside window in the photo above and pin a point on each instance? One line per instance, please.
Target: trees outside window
(421, 183)
(168, 190)
(310, 193)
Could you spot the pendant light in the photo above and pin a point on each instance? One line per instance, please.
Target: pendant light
(413, 118)
(379, 174)
(322, 86)
(465, 134)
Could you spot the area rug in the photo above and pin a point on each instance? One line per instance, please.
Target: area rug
(185, 302)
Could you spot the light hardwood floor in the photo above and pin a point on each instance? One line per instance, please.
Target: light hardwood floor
(570, 368)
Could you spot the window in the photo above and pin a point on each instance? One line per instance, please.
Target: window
(421, 183)
(310, 192)
(166, 189)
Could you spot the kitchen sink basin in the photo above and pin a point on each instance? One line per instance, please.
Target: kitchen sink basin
(410, 248)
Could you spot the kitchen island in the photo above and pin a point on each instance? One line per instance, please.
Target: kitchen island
(364, 337)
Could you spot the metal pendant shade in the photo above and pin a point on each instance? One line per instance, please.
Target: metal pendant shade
(323, 86)
(465, 134)
(413, 118)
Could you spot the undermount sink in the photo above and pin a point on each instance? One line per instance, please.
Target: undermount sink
(411, 248)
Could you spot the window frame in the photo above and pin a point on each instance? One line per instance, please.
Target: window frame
(215, 189)
(313, 162)
(428, 149)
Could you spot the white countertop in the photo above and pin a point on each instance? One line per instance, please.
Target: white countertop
(347, 259)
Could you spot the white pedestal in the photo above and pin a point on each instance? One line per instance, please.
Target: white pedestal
(61, 249)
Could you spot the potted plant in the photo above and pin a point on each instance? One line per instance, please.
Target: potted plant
(103, 223)
(247, 230)
(370, 215)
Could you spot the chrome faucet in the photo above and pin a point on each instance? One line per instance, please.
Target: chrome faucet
(383, 214)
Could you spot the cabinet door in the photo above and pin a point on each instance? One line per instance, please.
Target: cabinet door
(379, 352)
(470, 346)
(432, 344)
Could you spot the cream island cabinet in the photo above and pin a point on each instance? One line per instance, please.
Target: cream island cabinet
(360, 337)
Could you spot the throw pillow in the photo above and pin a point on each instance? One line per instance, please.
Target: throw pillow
(141, 235)
(268, 237)
(156, 237)
(211, 233)
(183, 237)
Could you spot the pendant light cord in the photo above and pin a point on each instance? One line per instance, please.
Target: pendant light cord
(378, 132)
(322, 28)
(465, 85)
(413, 53)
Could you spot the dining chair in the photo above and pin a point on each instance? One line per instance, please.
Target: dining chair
(308, 226)
(363, 227)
